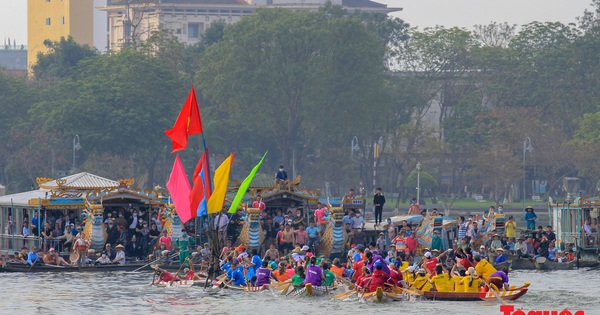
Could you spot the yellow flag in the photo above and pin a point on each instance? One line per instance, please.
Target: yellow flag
(221, 180)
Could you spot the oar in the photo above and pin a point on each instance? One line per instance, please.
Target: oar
(153, 278)
(344, 295)
(409, 291)
(287, 288)
(494, 291)
(220, 280)
(178, 270)
(146, 265)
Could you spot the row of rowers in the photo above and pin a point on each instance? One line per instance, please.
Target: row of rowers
(430, 275)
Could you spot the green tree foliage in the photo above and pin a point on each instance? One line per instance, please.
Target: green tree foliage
(293, 77)
(62, 59)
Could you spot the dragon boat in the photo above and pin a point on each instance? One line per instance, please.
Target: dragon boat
(512, 294)
(20, 267)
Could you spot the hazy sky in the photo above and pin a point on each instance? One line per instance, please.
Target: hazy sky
(421, 13)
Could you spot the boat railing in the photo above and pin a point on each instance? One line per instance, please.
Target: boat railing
(13, 243)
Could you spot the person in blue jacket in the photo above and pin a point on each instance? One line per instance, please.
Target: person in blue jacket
(530, 218)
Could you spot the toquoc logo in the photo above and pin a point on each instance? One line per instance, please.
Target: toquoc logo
(510, 310)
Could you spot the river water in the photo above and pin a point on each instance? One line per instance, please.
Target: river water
(130, 293)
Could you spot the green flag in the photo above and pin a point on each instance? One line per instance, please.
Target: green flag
(244, 186)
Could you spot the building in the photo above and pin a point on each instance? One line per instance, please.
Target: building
(13, 60)
(53, 19)
(131, 21)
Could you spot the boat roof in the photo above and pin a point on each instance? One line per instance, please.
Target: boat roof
(22, 199)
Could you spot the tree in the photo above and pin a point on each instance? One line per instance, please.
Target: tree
(302, 75)
(62, 59)
(120, 103)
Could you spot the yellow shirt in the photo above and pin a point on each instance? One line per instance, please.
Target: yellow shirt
(421, 283)
(474, 286)
(404, 266)
(457, 286)
(408, 277)
(443, 283)
(511, 229)
(485, 269)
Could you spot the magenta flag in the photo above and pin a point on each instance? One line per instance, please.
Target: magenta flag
(179, 188)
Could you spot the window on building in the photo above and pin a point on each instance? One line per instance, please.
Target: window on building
(193, 30)
(63, 20)
(178, 31)
(48, 21)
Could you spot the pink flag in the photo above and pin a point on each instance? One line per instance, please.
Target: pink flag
(179, 187)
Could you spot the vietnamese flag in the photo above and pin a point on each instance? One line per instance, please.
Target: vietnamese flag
(201, 191)
(188, 123)
(179, 188)
(221, 179)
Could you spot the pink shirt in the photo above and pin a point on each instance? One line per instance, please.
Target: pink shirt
(320, 214)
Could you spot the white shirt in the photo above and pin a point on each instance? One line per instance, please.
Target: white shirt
(120, 258)
(221, 222)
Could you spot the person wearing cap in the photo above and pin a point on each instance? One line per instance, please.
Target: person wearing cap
(499, 279)
(500, 257)
(409, 274)
(120, 256)
(560, 257)
(379, 278)
(471, 282)
(530, 217)
(483, 267)
(430, 262)
(483, 252)
(421, 282)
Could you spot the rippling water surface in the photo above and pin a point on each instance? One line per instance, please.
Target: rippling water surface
(130, 293)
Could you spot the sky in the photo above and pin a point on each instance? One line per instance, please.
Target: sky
(419, 13)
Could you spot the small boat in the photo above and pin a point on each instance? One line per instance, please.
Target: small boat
(381, 296)
(512, 294)
(540, 263)
(20, 267)
(501, 265)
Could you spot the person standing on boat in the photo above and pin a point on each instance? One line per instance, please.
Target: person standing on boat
(183, 243)
(483, 267)
(530, 217)
(378, 202)
(81, 246)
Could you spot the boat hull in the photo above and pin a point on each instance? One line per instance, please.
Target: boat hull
(509, 295)
(16, 267)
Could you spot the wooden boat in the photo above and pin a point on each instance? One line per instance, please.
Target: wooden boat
(381, 296)
(501, 265)
(540, 263)
(20, 267)
(310, 290)
(512, 294)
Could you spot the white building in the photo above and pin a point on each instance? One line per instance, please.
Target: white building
(134, 20)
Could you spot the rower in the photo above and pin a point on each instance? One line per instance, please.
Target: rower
(470, 282)
(421, 281)
(163, 275)
(442, 281)
(483, 267)
(237, 274)
(263, 274)
(499, 279)
(314, 273)
(379, 278)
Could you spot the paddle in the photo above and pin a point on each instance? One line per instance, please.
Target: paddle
(493, 291)
(220, 280)
(409, 291)
(153, 278)
(286, 289)
(178, 270)
(344, 295)
(146, 265)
